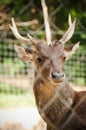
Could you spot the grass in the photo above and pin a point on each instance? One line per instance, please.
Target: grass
(12, 96)
(12, 89)
(13, 100)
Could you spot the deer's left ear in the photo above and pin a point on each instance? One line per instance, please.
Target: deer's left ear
(69, 51)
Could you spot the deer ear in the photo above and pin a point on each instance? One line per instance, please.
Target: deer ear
(69, 51)
(23, 53)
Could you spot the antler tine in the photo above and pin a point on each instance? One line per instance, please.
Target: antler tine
(69, 32)
(18, 36)
(69, 20)
(32, 39)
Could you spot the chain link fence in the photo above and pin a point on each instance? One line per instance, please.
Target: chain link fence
(76, 68)
(16, 77)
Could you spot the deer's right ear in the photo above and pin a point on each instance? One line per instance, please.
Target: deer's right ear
(23, 53)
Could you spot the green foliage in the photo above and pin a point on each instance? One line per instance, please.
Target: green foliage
(4, 2)
(30, 9)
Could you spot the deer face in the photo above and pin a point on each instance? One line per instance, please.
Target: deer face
(48, 59)
(50, 62)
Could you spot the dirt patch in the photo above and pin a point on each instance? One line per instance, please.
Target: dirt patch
(12, 126)
(17, 126)
(23, 118)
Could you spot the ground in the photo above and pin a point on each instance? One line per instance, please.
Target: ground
(21, 119)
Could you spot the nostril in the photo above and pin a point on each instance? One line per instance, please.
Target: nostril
(62, 75)
(54, 75)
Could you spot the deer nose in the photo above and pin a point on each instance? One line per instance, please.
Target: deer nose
(56, 75)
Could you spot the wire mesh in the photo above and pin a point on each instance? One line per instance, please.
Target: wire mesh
(75, 68)
(16, 77)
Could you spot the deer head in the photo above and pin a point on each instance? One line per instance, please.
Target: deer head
(48, 59)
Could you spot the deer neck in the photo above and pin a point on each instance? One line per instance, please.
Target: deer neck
(44, 93)
(53, 102)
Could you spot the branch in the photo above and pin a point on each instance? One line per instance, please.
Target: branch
(27, 23)
(4, 26)
(46, 21)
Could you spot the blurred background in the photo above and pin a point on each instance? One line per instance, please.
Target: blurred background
(16, 77)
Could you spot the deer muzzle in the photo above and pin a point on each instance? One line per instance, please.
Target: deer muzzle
(57, 76)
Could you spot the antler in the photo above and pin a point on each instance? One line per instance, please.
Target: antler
(21, 38)
(69, 32)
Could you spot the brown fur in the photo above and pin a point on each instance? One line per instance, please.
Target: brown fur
(57, 114)
(60, 106)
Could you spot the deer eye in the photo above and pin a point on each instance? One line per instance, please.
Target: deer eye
(64, 58)
(39, 60)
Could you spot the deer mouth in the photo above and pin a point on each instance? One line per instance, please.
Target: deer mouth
(58, 79)
(56, 82)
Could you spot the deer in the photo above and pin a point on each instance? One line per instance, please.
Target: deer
(60, 106)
